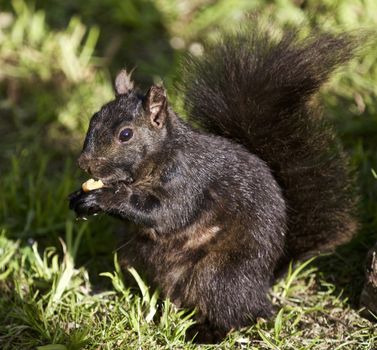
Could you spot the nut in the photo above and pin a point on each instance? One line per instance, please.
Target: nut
(91, 185)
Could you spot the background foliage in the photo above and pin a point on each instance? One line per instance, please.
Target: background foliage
(59, 283)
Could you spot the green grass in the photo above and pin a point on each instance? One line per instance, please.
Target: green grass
(60, 283)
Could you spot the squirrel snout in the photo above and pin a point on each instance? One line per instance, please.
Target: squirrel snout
(85, 163)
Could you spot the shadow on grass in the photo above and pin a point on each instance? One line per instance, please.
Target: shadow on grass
(345, 270)
(346, 267)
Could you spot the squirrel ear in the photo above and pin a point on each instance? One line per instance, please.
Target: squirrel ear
(155, 104)
(123, 82)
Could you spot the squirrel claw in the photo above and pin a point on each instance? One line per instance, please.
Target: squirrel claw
(84, 203)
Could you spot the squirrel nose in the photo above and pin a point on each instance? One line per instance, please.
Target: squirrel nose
(84, 163)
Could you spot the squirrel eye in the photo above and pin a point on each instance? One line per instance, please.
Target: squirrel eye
(125, 135)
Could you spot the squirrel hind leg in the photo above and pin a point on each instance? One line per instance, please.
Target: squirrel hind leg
(204, 333)
(229, 296)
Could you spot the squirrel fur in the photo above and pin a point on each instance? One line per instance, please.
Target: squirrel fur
(222, 201)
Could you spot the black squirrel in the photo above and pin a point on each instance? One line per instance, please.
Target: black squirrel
(221, 207)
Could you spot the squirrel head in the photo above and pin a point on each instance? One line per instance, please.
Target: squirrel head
(126, 132)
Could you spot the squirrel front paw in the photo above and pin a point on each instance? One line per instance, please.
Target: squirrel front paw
(87, 203)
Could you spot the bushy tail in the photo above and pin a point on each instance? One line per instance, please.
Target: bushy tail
(258, 91)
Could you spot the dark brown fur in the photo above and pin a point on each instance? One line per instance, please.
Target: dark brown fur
(260, 93)
(218, 215)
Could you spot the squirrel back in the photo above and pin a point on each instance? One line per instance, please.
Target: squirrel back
(259, 91)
